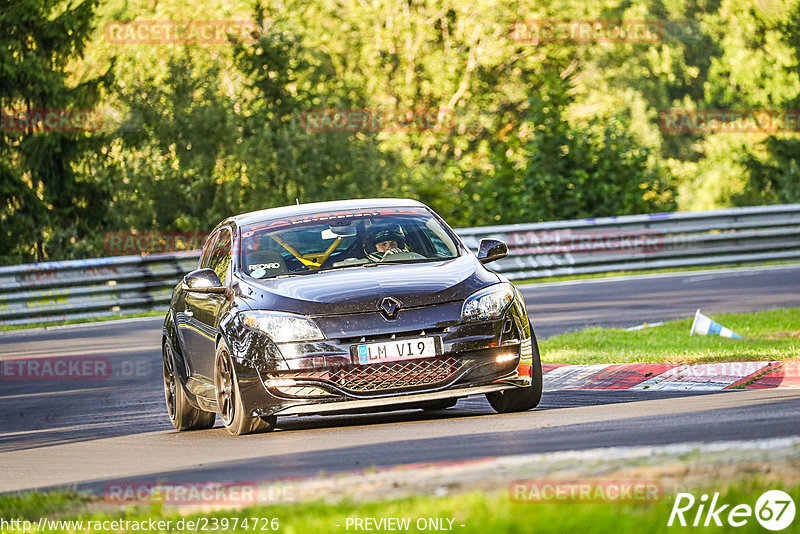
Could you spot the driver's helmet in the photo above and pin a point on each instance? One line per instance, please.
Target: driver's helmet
(380, 233)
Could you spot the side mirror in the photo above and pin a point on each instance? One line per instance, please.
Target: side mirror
(203, 281)
(491, 249)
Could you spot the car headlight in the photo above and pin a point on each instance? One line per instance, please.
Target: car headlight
(282, 327)
(488, 303)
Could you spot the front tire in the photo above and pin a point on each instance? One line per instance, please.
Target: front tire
(182, 414)
(525, 398)
(229, 400)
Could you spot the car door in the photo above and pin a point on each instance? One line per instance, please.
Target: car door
(188, 330)
(205, 307)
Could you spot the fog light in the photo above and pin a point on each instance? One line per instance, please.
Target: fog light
(503, 358)
(280, 383)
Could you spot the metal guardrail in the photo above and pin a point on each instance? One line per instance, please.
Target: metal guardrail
(655, 241)
(56, 291)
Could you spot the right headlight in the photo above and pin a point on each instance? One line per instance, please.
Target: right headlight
(488, 303)
(282, 327)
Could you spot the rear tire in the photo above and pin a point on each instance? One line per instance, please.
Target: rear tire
(524, 398)
(229, 400)
(182, 414)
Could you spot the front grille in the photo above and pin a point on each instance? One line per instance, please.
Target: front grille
(385, 376)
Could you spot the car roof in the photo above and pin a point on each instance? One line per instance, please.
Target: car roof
(316, 207)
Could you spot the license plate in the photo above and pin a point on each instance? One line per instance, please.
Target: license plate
(392, 351)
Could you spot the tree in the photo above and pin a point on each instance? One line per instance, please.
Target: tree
(283, 160)
(548, 169)
(46, 206)
(774, 174)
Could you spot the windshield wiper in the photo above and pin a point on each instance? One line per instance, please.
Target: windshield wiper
(418, 260)
(359, 265)
(296, 273)
(299, 273)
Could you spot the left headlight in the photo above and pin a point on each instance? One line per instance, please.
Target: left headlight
(488, 303)
(282, 327)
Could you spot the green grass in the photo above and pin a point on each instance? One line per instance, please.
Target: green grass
(33, 505)
(768, 335)
(7, 328)
(612, 274)
(478, 512)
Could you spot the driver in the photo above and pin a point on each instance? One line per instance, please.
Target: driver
(383, 240)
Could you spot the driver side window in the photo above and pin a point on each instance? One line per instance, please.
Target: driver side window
(205, 257)
(220, 260)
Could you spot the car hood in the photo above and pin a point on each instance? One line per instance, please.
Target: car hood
(360, 289)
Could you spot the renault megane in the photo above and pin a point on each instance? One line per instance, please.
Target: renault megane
(347, 306)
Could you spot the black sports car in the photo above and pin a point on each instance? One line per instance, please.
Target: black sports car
(350, 306)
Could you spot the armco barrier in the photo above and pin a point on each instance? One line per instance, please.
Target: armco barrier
(56, 291)
(45, 292)
(655, 241)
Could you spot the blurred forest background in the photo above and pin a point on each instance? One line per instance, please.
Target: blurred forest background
(193, 133)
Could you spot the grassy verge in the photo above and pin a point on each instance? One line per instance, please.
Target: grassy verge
(613, 274)
(7, 328)
(469, 512)
(33, 505)
(768, 335)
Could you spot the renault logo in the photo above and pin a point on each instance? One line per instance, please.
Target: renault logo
(389, 306)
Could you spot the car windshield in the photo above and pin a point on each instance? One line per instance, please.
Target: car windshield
(325, 241)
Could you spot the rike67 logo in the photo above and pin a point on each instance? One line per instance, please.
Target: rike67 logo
(774, 510)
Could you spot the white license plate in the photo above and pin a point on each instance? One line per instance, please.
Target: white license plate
(392, 351)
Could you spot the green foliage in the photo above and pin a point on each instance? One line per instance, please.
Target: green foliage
(31, 506)
(282, 161)
(549, 169)
(46, 204)
(475, 511)
(526, 132)
(774, 175)
(776, 178)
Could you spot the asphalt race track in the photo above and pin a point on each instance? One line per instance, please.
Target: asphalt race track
(88, 432)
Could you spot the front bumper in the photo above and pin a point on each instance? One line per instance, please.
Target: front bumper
(321, 377)
(397, 402)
